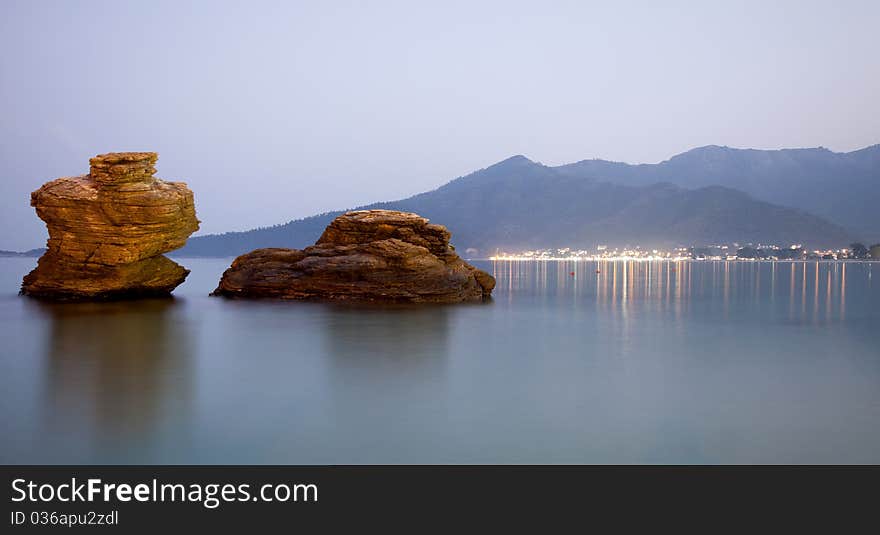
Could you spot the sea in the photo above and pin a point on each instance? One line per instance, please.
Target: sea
(596, 362)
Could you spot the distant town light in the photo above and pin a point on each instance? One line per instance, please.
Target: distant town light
(710, 253)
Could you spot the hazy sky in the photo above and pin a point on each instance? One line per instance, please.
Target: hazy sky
(277, 110)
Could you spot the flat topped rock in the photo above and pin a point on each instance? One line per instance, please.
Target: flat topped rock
(122, 167)
(124, 157)
(366, 255)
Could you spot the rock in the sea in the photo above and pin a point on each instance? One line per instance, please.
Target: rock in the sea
(367, 255)
(108, 230)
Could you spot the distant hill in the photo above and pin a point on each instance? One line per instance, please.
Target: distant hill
(841, 187)
(33, 253)
(520, 204)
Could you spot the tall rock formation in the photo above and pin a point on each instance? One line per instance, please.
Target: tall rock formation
(367, 255)
(108, 230)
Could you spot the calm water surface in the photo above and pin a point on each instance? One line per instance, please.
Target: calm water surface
(639, 363)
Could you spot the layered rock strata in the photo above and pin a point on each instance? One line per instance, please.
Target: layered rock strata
(108, 230)
(367, 255)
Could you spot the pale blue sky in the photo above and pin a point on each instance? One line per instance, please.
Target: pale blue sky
(278, 110)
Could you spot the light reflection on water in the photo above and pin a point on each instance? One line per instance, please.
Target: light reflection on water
(616, 285)
(614, 361)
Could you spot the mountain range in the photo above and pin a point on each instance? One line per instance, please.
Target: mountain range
(707, 195)
(841, 187)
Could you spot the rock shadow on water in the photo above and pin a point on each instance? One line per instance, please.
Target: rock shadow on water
(391, 338)
(117, 370)
(386, 369)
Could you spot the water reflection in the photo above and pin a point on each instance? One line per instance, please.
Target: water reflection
(385, 372)
(815, 290)
(364, 332)
(117, 367)
(591, 362)
(399, 346)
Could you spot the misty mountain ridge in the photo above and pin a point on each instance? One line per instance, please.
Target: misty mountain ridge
(841, 187)
(698, 197)
(32, 253)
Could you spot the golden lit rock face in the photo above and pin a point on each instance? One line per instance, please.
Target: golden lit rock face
(108, 230)
(120, 167)
(367, 255)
